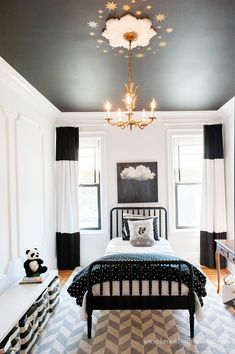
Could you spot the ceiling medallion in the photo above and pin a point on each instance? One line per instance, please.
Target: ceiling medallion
(116, 28)
(140, 10)
(129, 32)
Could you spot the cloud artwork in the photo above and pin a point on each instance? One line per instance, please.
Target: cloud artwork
(139, 173)
(137, 182)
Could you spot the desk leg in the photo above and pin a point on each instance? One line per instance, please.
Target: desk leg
(217, 262)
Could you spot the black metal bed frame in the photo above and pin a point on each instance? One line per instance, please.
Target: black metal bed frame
(116, 216)
(141, 302)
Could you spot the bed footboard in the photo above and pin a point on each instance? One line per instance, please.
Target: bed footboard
(141, 301)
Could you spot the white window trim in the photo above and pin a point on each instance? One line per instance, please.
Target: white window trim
(103, 179)
(171, 133)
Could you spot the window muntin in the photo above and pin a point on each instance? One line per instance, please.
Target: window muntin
(89, 183)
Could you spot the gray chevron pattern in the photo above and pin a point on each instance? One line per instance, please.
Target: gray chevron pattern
(138, 332)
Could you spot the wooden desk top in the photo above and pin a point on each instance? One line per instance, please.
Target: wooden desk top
(227, 244)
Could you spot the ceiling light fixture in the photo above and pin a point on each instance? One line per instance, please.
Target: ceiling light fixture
(130, 98)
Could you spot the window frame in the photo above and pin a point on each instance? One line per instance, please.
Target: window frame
(102, 182)
(172, 195)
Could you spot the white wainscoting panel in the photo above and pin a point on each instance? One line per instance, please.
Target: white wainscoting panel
(4, 206)
(30, 184)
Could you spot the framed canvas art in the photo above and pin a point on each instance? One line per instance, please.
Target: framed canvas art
(137, 182)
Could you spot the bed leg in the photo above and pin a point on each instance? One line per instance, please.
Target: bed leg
(89, 324)
(191, 322)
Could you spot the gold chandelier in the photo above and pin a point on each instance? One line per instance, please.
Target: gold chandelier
(130, 98)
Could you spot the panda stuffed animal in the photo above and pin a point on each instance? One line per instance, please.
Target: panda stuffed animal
(33, 265)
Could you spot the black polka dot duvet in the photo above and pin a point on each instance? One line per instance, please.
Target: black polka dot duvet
(159, 272)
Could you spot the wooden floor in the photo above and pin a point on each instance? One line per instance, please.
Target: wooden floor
(210, 273)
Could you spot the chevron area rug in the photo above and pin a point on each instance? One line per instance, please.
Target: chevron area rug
(138, 332)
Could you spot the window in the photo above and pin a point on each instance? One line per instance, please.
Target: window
(89, 183)
(187, 180)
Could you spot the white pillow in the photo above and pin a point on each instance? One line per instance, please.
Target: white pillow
(141, 232)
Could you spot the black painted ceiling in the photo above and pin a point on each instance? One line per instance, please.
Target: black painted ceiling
(49, 43)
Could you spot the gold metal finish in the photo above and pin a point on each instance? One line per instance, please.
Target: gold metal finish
(130, 36)
(130, 96)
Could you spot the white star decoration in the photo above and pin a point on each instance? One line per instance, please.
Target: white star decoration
(169, 30)
(92, 24)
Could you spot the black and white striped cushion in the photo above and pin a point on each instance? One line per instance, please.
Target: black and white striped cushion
(29, 329)
(54, 292)
(43, 309)
(11, 344)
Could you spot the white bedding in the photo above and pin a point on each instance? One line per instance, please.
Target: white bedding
(118, 245)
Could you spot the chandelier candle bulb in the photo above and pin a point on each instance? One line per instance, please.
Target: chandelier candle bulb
(153, 106)
(119, 114)
(128, 99)
(108, 108)
(143, 114)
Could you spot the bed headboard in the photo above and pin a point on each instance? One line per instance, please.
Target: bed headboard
(116, 215)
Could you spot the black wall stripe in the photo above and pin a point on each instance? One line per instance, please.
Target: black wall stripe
(67, 143)
(213, 142)
(68, 250)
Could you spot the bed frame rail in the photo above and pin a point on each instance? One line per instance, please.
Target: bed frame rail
(140, 302)
(116, 217)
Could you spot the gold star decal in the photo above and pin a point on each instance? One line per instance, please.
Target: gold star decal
(160, 17)
(92, 24)
(126, 7)
(111, 6)
(162, 44)
(138, 13)
(169, 30)
(139, 55)
(99, 41)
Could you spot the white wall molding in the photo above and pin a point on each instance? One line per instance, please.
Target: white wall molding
(27, 125)
(30, 180)
(89, 119)
(4, 193)
(11, 78)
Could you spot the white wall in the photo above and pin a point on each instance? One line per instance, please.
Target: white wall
(27, 174)
(149, 144)
(228, 113)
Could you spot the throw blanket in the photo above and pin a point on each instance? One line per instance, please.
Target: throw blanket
(160, 272)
